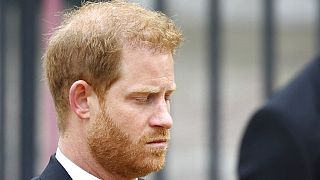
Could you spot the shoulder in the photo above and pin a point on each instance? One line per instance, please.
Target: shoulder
(296, 106)
(302, 93)
(53, 171)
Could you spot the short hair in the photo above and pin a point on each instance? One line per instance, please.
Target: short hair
(89, 42)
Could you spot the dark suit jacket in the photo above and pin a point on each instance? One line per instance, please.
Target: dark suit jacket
(55, 171)
(282, 140)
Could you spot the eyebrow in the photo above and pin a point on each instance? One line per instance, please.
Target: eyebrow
(151, 89)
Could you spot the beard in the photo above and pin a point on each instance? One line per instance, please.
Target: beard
(118, 154)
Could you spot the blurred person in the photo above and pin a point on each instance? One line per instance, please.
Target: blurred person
(282, 140)
(110, 71)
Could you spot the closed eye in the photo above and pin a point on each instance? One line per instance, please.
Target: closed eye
(143, 99)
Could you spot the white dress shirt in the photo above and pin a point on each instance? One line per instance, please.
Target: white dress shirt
(75, 172)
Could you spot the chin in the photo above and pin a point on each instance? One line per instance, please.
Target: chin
(149, 165)
(156, 163)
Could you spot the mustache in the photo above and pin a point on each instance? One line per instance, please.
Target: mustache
(158, 135)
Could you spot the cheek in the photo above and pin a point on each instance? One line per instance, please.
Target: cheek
(132, 121)
(132, 118)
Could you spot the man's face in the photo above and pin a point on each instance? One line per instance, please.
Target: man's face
(129, 137)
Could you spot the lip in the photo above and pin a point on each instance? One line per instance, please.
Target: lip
(158, 143)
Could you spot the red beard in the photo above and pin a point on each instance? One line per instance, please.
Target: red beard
(118, 154)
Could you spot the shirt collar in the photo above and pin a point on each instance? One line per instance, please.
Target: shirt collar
(73, 170)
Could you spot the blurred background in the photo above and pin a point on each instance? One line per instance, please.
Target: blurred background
(236, 53)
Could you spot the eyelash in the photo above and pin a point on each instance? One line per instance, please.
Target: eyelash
(147, 99)
(142, 99)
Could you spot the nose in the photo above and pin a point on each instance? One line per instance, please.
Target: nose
(161, 116)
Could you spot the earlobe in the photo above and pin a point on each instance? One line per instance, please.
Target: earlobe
(78, 98)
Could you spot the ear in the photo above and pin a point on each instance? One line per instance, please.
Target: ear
(78, 98)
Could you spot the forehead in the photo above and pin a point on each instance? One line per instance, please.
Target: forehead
(145, 61)
(147, 67)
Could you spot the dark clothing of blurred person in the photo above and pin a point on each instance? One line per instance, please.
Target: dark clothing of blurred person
(282, 140)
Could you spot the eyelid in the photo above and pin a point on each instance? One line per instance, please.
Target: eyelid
(142, 99)
(146, 97)
(169, 93)
(167, 96)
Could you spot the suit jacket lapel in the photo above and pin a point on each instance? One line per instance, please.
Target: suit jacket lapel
(54, 170)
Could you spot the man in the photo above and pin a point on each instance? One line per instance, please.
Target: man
(110, 71)
(282, 140)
